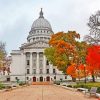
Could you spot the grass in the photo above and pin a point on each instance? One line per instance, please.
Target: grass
(1, 86)
(88, 85)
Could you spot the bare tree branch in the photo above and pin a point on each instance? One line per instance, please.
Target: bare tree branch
(94, 25)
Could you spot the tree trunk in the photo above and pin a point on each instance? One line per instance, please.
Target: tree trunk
(73, 79)
(93, 78)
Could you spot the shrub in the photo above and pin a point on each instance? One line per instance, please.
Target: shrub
(57, 82)
(98, 90)
(2, 86)
(8, 87)
(22, 83)
(69, 86)
(82, 86)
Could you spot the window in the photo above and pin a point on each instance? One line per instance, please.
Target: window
(54, 77)
(41, 38)
(47, 62)
(8, 79)
(41, 63)
(41, 71)
(27, 54)
(34, 55)
(28, 71)
(65, 77)
(33, 39)
(34, 71)
(54, 71)
(27, 78)
(47, 71)
(28, 62)
(41, 55)
(16, 78)
(48, 38)
(36, 38)
(34, 63)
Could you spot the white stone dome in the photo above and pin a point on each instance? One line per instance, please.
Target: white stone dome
(41, 23)
(40, 30)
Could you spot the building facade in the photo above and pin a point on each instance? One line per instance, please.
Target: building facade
(30, 63)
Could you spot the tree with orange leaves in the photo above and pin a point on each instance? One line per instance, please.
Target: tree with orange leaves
(65, 49)
(63, 46)
(77, 71)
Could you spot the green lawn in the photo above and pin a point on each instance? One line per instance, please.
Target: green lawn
(88, 85)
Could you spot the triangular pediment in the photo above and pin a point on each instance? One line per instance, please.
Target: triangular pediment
(39, 44)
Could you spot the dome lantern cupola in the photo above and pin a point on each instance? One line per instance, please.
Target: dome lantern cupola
(41, 14)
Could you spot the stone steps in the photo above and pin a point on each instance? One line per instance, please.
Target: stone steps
(42, 83)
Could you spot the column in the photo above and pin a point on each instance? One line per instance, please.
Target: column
(37, 63)
(24, 66)
(51, 68)
(44, 64)
(31, 63)
(23, 61)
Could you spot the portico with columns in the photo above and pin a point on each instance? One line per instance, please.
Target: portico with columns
(29, 63)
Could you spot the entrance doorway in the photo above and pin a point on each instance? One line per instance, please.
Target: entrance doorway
(41, 79)
(34, 79)
(47, 78)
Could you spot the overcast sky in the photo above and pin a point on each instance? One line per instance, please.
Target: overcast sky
(17, 16)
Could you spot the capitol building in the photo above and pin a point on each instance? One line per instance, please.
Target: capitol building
(29, 62)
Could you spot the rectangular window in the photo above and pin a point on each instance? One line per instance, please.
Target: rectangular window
(54, 77)
(34, 63)
(47, 71)
(41, 63)
(34, 71)
(28, 62)
(27, 78)
(16, 78)
(47, 62)
(54, 71)
(28, 71)
(65, 77)
(41, 72)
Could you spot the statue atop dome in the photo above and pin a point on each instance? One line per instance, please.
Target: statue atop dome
(41, 14)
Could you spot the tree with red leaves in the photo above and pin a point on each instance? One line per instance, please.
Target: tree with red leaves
(93, 60)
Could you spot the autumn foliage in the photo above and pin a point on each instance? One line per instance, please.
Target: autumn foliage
(92, 66)
(77, 71)
(93, 59)
(62, 47)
